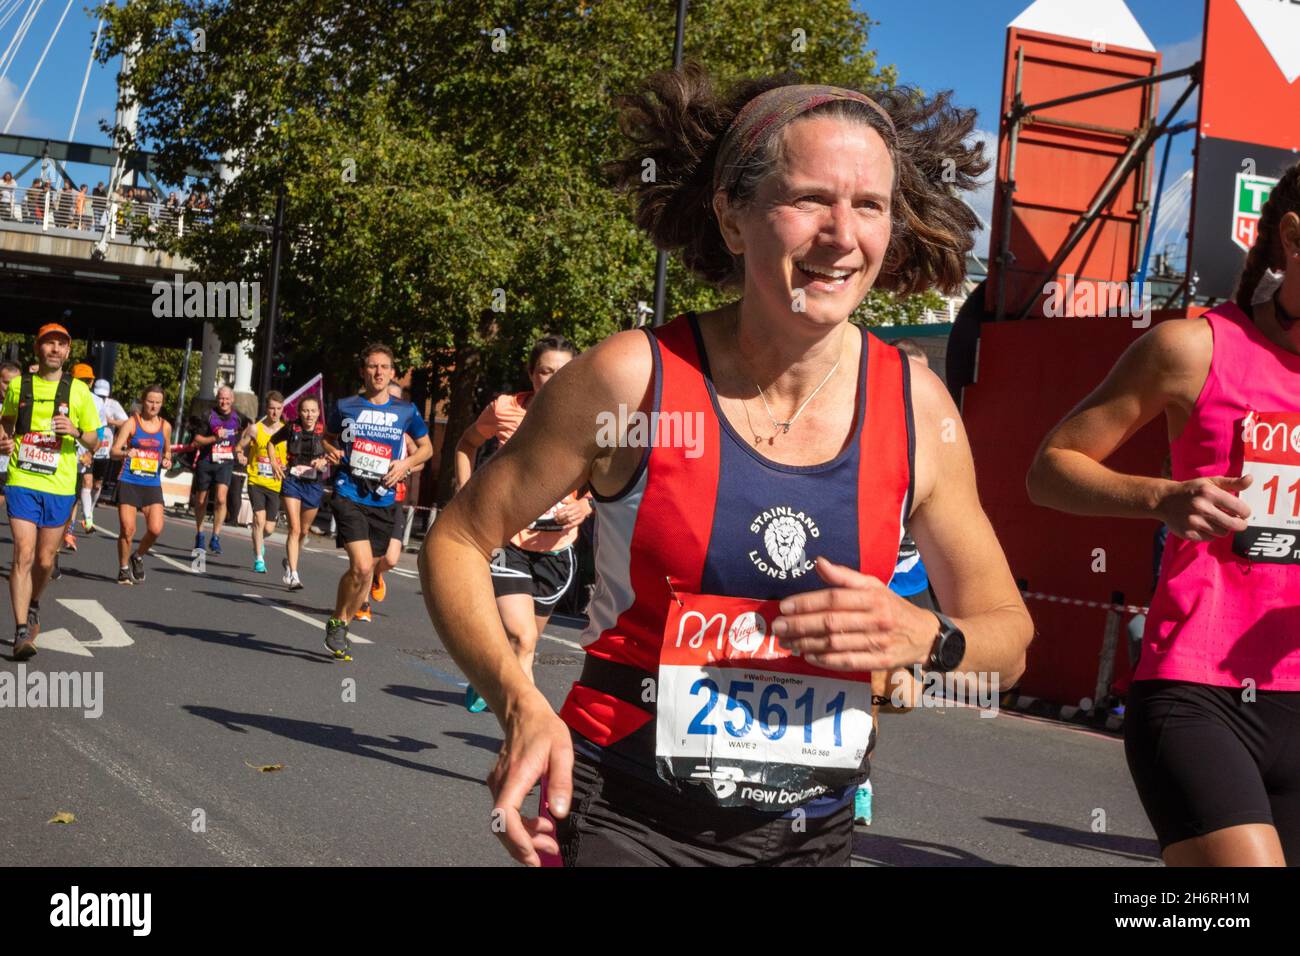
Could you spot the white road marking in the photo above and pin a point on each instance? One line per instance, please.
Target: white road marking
(559, 640)
(60, 639)
(298, 615)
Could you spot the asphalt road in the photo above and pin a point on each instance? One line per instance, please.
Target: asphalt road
(224, 673)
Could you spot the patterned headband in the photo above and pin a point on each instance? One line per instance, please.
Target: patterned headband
(766, 114)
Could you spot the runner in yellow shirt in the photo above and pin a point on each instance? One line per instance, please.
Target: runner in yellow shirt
(266, 461)
(46, 420)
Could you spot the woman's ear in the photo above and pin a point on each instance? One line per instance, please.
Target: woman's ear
(1290, 230)
(728, 222)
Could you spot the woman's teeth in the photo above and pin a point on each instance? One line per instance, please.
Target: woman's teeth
(825, 274)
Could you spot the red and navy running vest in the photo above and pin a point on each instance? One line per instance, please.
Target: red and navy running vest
(721, 519)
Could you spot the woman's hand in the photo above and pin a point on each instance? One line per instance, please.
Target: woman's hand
(1205, 508)
(572, 515)
(536, 745)
(857, 624)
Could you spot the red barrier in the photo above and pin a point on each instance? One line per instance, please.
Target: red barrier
(1030, 374)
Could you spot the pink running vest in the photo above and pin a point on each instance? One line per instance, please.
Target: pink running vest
(1218, 618)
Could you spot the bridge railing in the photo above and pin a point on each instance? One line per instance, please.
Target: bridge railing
(82, 212)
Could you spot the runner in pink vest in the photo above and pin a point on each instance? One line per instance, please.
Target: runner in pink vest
(1212, 726)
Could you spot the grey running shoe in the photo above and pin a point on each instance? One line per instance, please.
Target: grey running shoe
(336, 639)
(124, 576)
(34, 620)
(24, 644)
(137, 567)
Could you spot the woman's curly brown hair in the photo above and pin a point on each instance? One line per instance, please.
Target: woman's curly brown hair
(677, 120)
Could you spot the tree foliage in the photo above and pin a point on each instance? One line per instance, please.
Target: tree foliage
(440, 160)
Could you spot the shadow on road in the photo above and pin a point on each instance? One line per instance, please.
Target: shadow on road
(240, 639)
(491, 744)
(322, 613)
(425, 695)
(1131, 848)
(900, 851)
(329, 736)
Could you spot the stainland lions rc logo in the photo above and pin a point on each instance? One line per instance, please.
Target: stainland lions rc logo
(1248, 204)
(785, 535)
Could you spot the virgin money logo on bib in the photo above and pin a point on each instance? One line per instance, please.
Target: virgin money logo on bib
(785, 535)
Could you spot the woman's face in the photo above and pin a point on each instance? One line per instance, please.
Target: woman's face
(548, 363)
(816, 232)
(152, 404)
(308, 412)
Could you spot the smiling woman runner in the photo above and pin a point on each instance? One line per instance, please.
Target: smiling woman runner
(143, 445)
(1213, 714)
(740, 607)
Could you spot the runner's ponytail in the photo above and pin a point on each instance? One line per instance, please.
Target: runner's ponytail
(1267, 252)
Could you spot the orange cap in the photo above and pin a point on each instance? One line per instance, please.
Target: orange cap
(51, 328)
(82, 370)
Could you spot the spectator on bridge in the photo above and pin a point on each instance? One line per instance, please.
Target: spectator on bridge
(8, 194)
(67, 201)
(36, 201)
(79, 208)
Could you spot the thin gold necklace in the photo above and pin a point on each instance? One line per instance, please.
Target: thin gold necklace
(782, 428)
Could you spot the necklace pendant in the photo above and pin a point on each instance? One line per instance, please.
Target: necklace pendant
(785, 427)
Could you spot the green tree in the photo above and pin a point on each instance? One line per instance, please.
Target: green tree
(440, 161)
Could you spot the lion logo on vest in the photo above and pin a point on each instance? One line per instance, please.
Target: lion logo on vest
(785, 539)
(786, 533)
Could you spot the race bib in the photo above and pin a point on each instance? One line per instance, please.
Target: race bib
(223, 450)
(742, 717)
(38, 452)
(144, 462)
(264, 467)
(105, 442)
(370, 459)
(1271, 443)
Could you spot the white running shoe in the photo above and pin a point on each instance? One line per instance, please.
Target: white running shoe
(296, 583)
(287, 577)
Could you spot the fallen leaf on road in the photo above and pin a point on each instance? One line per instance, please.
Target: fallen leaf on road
(265, 768)
(62, 817)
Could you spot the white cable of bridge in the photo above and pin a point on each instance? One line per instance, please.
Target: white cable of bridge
(7, 10)
(20, 34)
(37, 69)
(76, 114)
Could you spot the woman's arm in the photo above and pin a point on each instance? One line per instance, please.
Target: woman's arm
(553, 452)
(469, 443)
(118, 451)
(1163, 371)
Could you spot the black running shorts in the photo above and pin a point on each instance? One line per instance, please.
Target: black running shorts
(545, 575)
(208, 473)
(138, 497)
(358, 522)
(264, 499)
(1204, 759)
(620, 820)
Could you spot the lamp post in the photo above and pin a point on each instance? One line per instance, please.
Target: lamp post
(661, 260)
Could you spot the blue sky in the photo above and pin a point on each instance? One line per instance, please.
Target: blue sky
(936, 44)
(959, 45)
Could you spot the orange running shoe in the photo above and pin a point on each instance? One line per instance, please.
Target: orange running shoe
(363, 614)
(378, 589)
(69, 541)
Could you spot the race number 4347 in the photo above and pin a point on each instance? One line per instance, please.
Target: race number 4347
(1271, 456)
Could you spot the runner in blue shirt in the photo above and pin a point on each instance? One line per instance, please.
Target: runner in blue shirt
(369, 430)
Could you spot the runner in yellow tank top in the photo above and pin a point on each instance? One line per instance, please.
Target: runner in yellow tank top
(266, 462)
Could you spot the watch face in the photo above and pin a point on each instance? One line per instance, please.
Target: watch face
(953, 649)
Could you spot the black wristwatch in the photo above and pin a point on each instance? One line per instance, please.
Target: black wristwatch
(948, 649)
